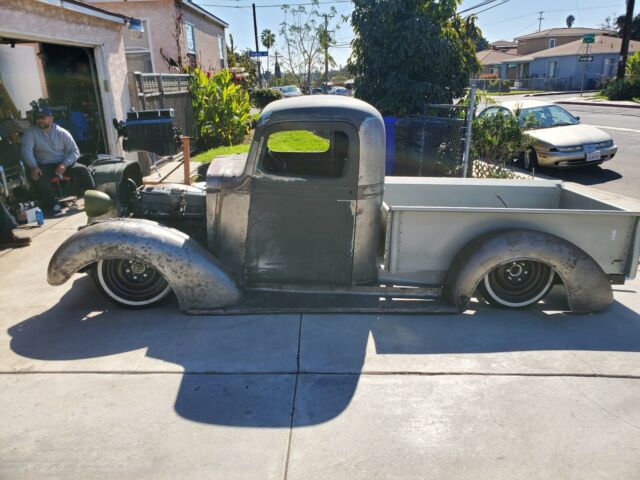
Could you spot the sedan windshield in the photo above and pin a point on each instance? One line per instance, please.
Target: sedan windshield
(290, 89)
(546, 116)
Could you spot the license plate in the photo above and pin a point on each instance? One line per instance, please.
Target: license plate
(591, 156)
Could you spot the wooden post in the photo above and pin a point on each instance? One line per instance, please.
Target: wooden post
(186, 158)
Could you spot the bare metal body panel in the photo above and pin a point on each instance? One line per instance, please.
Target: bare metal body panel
(430, 220)
(197, 278)
(587, 285)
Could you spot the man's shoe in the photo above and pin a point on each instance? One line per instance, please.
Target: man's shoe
(57, 211)
(12, 241)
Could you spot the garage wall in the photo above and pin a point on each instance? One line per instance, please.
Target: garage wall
(21, 74)
(30, 19)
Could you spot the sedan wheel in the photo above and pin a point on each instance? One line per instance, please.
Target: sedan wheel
(517, 284)
(130, 283)
(530, 159)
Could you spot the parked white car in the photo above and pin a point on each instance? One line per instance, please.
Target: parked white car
(339, 91)
(560, 140)
(290, 91)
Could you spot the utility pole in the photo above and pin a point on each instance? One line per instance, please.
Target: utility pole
(540, 20)
(255, 31)
(626, 34)
(326, 53)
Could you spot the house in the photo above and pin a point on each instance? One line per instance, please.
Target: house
(555, 59)
(562, 65)
(555, 37)
(177, 33)
(70, 53)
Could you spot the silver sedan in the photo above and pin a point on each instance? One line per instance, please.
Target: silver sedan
(559, 139)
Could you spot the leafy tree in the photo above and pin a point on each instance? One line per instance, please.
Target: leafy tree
(635, 26)
(481, 43)
(570, 21)
(409, 52)
(268, 39)
(305, 40)
(633, 68)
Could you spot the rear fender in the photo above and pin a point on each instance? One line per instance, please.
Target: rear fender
(197, 278)
(588, 287)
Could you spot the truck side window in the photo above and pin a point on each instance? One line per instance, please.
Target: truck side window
(309, 153)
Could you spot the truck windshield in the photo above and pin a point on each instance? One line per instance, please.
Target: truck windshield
(546, 116)
(313, 153)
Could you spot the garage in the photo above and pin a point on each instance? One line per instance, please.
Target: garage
(66, 55)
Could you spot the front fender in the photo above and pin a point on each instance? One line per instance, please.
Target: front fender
(588, 287)
(197, 278)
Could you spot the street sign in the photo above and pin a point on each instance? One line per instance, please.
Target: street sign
(585, 58)
(589, 38)
(258, 54)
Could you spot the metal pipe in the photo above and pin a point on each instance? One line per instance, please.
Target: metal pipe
(467, 146)
(186, 159)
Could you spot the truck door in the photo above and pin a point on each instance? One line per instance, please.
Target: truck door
(303, 202)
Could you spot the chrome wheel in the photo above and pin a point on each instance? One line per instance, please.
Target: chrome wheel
(130, 283)
(517, 284)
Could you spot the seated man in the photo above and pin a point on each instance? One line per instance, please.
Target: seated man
(50, 151)
(8, 239)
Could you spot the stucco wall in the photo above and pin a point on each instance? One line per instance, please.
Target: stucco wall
(570, 68)
(533, 45)
(28, 19)
(160, 15)
(207, 40)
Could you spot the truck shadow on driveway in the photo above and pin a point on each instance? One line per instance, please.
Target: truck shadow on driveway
(242, 370)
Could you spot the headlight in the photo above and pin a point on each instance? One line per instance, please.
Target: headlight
(569, 149)
(607, 144)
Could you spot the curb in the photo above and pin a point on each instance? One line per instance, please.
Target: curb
(543, 94)
(596, 104)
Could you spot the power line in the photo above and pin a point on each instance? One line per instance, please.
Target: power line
(273, 6)
(481, 4)
(488, 8)
(547, 11)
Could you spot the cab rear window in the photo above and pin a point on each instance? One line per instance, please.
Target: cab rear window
(306, 153)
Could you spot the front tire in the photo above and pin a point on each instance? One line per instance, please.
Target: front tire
(517, 284)
(530, 159)
(130, 283)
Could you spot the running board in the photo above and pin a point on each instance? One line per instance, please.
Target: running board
(265, 301)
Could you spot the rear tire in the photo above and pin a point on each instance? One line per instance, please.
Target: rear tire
(130, 283)
(517, 284)
(530, 159)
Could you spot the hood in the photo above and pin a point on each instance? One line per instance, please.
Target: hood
(570, 135)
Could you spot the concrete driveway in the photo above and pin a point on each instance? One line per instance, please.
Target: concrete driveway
(93, 391)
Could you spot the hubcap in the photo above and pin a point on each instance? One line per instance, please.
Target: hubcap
(519, 283)
(132, 282)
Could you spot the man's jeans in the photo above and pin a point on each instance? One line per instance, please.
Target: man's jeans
(80, 179)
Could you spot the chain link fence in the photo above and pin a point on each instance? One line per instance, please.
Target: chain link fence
(432, 144)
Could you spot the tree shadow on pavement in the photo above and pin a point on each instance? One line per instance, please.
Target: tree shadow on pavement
(241, 370)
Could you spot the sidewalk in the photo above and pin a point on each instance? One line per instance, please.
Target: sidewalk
(593, 101)
(92, 391)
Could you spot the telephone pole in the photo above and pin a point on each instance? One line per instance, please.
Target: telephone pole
(326, 53)
(540, 20)
(255, 31)
(626, 34)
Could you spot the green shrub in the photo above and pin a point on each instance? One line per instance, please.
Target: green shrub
(220, 107)
(499, 86)
(498, 139)
(621, 89)
(262, 97)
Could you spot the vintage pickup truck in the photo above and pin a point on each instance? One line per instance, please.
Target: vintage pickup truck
(306, 221)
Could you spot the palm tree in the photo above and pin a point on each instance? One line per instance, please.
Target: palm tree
(570, 20)
(268, 39)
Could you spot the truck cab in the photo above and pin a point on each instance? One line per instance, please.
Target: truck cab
(304, 205)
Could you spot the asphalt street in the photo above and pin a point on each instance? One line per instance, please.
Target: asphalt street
(620, 175)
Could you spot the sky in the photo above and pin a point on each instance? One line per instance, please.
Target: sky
(503, 21)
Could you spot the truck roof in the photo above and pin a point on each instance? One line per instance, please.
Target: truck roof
(319, 107)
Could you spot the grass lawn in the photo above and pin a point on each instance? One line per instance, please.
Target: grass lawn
(214, 152)
(292, 141)
(297, 141)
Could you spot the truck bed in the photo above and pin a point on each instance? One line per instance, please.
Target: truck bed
(429, 220)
